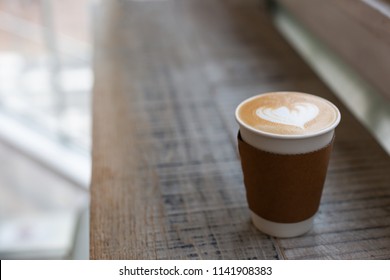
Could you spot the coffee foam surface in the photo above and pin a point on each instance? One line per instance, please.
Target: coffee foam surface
(288, 113)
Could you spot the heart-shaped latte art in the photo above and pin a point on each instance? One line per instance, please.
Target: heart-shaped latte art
(299, 115)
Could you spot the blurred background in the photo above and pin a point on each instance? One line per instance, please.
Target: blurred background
(46, 79)
(45, 124)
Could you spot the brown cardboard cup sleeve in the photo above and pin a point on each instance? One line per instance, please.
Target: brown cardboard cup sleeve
(283, 188)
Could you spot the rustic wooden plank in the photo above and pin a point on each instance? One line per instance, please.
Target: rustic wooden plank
(166, 180)
(163, 190)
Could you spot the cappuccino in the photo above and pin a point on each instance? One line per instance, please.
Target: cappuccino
(288, 113)
(284, 141)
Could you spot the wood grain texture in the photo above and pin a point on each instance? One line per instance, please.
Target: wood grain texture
(166, 180)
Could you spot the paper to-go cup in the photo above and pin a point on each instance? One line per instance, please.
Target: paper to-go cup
(285, 140)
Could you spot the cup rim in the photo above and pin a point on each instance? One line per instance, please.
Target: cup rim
(281, 136)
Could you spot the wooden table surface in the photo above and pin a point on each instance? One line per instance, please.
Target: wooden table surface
(167, 181)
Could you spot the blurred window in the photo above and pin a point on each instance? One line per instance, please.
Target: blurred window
(45, 68)
(45, 92)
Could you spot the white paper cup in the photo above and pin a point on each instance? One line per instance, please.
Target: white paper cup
(285, 145)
